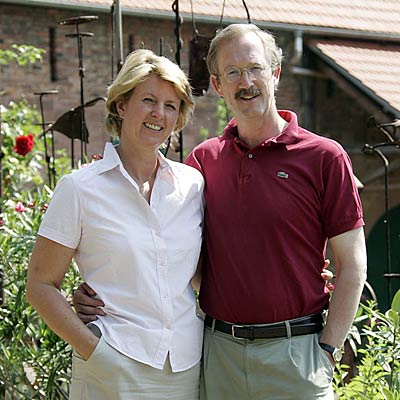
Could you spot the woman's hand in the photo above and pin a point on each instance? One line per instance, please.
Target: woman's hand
(88, 350)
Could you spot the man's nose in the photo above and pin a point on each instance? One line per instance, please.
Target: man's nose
(246, 79)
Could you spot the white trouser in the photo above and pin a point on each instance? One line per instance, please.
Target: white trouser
(110, 375)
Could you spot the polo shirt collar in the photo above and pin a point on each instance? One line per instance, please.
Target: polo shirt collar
(289, 136)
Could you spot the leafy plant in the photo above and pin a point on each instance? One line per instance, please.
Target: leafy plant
(378, 370)
(35, 363)
(222, 114)
(21, 54)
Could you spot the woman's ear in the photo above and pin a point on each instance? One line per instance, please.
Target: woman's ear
(120, 107)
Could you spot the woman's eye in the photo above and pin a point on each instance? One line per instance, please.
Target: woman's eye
(171, 106)
(149, 100)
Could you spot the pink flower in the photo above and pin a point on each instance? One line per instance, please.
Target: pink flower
(331, 287)
(19, 207)
(1, 223)
(96, 157)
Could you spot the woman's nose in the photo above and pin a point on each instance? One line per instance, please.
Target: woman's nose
(158, 110)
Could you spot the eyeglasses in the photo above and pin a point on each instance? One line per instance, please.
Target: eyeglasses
(233, 74)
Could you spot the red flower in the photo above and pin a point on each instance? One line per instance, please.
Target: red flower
(19, 207)
(24, 144)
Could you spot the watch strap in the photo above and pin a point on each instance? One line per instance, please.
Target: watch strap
(327, 347)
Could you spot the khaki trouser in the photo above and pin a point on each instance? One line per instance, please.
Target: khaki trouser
(109, 375)
(293, 368)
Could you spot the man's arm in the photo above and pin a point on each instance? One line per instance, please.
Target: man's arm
(350, 258)
(87, 306)
(196, 280)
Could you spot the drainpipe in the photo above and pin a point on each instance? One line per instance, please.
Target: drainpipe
(305, 106)
(295, 61)
(298, 48)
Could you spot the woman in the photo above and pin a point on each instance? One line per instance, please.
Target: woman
(132, 221)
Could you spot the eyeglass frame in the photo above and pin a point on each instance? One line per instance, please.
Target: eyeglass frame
(241, 70)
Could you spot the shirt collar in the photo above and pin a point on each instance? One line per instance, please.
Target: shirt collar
(289, 135)
(111, 159)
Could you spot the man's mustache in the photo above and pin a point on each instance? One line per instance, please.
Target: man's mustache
(247, 92)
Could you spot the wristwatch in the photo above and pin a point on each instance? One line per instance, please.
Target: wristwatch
(334, 351)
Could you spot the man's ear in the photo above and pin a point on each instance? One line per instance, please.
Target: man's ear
(216, 84)
(276, 77)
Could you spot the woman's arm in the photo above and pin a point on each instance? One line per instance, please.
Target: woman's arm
(47, 267)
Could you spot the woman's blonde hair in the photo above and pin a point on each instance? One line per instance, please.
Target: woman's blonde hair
(272, 51)
(137, 67)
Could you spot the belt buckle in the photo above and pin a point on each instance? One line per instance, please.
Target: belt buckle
(233, 331)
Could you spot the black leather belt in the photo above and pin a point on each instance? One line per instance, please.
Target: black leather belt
(294, 327)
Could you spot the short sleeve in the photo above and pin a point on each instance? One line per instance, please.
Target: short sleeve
(341, 209)
(62, 220)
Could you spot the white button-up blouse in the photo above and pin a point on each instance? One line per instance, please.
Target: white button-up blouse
(138, 257)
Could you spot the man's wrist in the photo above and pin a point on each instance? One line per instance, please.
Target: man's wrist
(335, 353)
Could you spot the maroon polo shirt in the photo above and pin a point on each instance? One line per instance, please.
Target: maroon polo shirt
(269, 213)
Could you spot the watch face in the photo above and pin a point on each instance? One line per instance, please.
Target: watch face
(337, 355)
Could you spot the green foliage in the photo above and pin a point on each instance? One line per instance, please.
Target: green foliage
(223, 116)
(378, 370)
(35, 362)
(21, 54)
(204, 133)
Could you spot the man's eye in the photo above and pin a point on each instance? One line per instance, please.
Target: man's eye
(256, 69)
(232, 73)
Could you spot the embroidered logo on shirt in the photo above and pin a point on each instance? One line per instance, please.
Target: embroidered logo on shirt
(282, 174)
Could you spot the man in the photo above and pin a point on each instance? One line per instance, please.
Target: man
(274, 195)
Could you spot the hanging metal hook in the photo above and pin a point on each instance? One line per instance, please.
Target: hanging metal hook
(247, 12)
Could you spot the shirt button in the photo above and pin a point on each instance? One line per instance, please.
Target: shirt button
(250, 156)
